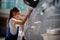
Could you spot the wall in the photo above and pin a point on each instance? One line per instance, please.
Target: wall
(3, 24)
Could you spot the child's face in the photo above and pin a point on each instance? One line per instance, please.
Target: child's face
(17, 15)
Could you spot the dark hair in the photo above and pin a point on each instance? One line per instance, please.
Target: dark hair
(11, 12)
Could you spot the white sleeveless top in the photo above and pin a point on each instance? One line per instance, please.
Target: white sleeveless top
(13, 27)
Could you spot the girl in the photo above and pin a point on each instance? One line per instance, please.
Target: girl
(12, 32)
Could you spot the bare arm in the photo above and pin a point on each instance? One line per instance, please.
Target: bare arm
(25, 18)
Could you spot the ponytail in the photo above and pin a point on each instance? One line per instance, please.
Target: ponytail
(11, 14)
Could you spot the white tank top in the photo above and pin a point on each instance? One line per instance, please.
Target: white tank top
(13, 27)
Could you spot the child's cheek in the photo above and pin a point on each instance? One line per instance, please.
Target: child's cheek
(18, 16)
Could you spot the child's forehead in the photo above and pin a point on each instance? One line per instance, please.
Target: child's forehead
(18, 12)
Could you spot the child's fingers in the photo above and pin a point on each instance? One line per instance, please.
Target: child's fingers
(30, 8)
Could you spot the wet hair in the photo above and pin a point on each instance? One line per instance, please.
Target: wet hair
(15, 9)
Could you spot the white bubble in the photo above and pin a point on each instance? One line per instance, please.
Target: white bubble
(35, 0)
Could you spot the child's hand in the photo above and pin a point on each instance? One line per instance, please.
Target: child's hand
(30, 9)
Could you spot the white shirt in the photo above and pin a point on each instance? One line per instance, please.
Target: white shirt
(13, 27)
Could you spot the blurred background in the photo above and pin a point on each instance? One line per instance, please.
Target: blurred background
(47, 9)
